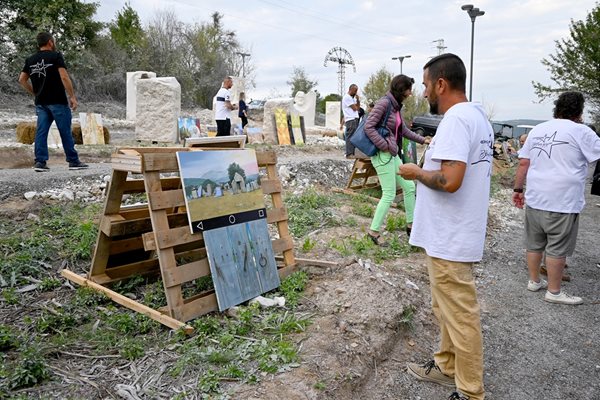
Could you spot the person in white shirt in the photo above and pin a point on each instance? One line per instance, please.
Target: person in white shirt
(223, 108)
(450, 222)
(554, 162)
(350, 107)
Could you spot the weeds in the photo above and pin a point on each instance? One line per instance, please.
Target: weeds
(30, 369)
(362, 207)
(308, 245)
(407, 317)
(292, 287)
(8, 338)
(395, 222)
(308, 212)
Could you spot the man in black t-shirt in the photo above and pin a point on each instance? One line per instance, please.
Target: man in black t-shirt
(49, 79)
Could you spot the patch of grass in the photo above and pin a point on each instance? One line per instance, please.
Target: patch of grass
(10, 296)
(87, 297)
(364, 247)
(351, 221)
(8, 338)
(362, 207)
(49, 284)
(395, 222)
(131, 348)
(320, 385)
(292, 287)
(341, 246)
(407, 317)
(308, 212)
(308, 244)
(30, 368)
(55, 321)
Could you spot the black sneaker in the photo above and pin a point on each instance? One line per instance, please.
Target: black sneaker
(40, 166)
(457, 396)
(77, 165)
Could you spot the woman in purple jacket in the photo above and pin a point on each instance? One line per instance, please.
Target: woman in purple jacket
(386, 161)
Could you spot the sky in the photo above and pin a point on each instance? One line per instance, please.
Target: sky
(511, 39)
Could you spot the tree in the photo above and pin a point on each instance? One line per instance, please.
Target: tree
(126, 30)
(330, 97)
(233, 169)
(299, 81)
(414, 105)
(377, 85)
(576, 63)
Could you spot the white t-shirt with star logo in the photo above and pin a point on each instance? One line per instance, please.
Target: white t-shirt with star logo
(559, 153)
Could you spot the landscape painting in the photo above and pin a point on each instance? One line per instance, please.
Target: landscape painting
(189, 128)
(222, 188)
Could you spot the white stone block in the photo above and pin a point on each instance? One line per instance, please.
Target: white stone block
(305, 104)
(333, 112)
(131, 79)
(158, 109)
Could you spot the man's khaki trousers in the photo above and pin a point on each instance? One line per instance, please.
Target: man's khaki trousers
(454, 303)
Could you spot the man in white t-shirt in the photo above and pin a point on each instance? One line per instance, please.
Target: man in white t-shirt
(450, 221)
(350, 107)
(554, 161)
(223, 108)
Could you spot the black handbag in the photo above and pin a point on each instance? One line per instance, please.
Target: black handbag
(361, 141)
(596, 180)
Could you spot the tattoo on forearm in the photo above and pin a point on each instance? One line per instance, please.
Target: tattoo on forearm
(436, 181)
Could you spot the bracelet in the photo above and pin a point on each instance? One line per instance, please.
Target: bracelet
(520, 190)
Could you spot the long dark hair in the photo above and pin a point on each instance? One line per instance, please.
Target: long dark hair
(399, 85)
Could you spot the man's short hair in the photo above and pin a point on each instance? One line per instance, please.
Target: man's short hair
(43, 38)
(353, 85)
(569, 105)
(449, 67)
(227, 78)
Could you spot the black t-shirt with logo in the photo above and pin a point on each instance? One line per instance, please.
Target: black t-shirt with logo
(42, 68)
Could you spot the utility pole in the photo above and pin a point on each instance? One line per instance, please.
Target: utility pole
(244, 55)
(401, 59)
(440, 46)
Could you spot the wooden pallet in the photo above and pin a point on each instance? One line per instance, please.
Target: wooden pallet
(363, 175)
(155, 239)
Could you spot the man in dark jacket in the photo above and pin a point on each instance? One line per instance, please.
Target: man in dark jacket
(49, 79)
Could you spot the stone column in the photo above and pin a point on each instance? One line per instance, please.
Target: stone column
(132, 78)
(158, 109)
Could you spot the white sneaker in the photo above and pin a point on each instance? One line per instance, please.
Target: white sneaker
(562, 298)
(535, 286)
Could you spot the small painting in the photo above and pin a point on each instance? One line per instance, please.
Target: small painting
(189, 128)
(91, 128)
(409, 151)
(222, 188)
(281, 124)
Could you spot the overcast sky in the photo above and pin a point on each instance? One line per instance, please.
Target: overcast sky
(510, 40)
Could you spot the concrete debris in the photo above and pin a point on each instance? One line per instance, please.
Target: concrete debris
(411, 284)
(266, 303)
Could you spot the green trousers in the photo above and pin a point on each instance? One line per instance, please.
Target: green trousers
(387, 167)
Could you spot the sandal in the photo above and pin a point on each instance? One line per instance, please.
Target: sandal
(376, 239)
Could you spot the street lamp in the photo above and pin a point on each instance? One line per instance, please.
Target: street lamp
(400, 58)
(473, 12)
(244, 55)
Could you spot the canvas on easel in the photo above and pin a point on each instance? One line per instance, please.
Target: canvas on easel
(225, 202)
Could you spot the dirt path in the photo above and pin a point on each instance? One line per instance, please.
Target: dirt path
(533, 349)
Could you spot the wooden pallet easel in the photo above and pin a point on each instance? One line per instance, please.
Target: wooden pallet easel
(155, 239)
(363, 172)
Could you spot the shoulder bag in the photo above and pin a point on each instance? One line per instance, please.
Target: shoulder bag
(360, 139)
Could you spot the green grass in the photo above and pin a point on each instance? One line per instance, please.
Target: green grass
(363, 247)
(308, 212)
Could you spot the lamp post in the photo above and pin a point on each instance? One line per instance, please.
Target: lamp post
(244, 55)
(401, 58)
(473, 12)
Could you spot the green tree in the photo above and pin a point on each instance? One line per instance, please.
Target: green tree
(330, 97)
(414, 105)
(299, 81)
(233, 169)
(126, 30)
(377, 85)
(576, 63)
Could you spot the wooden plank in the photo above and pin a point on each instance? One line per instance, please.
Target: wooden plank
(223, 268)
(126, 245)
(311, 262)
(264, 158)
(257, 233)
(152, 150)
(287, 270)
(283, 244)
(127, 302)
(144, 267)
(186, 273)
(166, 199)
(199, 306)
(166, 256)
(282, 226)
(142, 225)
(164, 162)
(176, 236)
(276, 215)
(137, 185)
(270, 186)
